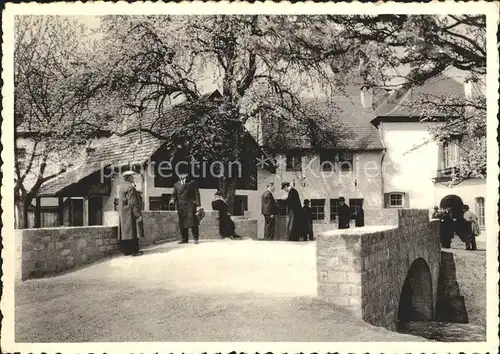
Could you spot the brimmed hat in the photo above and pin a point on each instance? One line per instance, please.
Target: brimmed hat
(342, 199)
(128, 173)
(284, 184)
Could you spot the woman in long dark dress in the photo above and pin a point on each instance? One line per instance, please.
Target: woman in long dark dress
(227, 227)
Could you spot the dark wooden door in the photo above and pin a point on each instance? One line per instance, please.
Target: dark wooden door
(76, 212)
(95, 210)
(280, 227)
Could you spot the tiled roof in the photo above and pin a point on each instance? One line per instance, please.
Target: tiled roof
(134, 148)
(162, 125)
(130, 147)
(398, 104)
(350, 122)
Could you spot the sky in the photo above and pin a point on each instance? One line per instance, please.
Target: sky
(209, 85)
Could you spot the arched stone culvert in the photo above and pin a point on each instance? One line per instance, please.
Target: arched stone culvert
(416, 301)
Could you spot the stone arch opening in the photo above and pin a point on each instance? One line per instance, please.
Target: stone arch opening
(455, 203)
(415, 302)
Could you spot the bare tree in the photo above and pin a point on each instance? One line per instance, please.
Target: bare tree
(49, 110)
(152, 59)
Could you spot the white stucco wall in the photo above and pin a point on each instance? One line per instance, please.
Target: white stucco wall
(409, 171)
(412, 171)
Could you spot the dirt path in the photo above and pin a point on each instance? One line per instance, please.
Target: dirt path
(214, 291)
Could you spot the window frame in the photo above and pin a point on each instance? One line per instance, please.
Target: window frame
(353, 204)
(317, 209)
(450, 153)
(296, 160)
(334, 209)
(402, 200)
(341, 162)
(480, 210)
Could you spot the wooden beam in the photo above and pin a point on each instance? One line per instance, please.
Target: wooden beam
(60, 205)
(38, 215)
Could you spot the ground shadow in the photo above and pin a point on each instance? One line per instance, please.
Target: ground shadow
(450, 304)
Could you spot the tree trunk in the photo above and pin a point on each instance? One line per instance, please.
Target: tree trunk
(22, 207)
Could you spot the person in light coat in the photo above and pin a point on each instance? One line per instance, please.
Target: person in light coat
(472, 228)
(130, 214)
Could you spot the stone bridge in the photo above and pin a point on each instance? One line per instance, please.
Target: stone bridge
(385, 272)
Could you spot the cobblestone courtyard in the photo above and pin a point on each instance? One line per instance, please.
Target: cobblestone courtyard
(215, 291)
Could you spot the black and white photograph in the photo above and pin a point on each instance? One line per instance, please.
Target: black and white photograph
(321, 175)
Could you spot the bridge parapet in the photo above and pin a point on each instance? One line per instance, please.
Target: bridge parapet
(365, 269)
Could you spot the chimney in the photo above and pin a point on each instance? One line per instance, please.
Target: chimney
(367, 96)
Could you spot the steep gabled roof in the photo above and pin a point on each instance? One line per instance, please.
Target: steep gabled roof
(131, 147)
(399, 103)
(350, 127)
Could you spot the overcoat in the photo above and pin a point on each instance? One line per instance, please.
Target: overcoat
(186, 198)
(268, 204)
(344, 216)
(296, 224)
(129, 208)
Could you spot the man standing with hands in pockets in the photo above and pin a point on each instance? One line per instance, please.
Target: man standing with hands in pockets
(269, 210)
(186, 197)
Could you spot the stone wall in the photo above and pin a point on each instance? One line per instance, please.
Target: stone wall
(364, 269)
(163, 226)
(52, 250)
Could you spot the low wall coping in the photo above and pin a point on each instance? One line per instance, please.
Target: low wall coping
(66, 228)
(365, 230)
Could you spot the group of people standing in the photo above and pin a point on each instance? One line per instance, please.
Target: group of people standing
(300, 221)
(185, 197)
(465, 225)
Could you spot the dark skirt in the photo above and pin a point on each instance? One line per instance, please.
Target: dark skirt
(227, 227)
(297, 226)
(129, 247)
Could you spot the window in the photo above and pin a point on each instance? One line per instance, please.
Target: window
(240, 204)
(327, 160)
(354, 205)
(161, 203)
(480, 210)
(282, 207)
(334, 209)
(344, 161)
(450, 151)
(89, 150)
(318, 209)
(293, 162)
(396, 200)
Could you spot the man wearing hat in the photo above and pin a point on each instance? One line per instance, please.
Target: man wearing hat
(186, 197)
(344, 214)
(269, 209)
(130, 212)
(296, 228)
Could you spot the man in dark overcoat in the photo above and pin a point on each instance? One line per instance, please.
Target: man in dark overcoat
(269, 209)
(186, 197)
(296, 229)
(130, 214)
(344, 214)
(307, 213)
